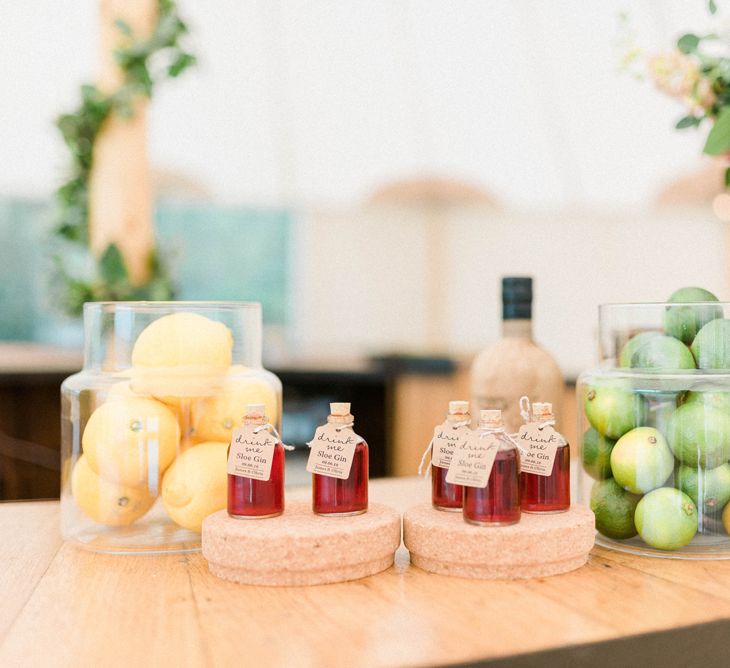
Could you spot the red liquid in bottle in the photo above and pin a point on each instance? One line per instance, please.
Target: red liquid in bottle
(548, 494)
(499, 501)
(445, 495)
(258, 498)
(334, 496)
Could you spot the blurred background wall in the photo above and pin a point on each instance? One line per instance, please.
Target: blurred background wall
(283, 162)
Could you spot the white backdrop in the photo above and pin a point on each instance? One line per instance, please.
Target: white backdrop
(318, 102)
(314, 104)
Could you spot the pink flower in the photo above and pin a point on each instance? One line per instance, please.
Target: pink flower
(678, 75)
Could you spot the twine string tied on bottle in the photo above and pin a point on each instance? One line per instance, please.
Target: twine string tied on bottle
(272, 430)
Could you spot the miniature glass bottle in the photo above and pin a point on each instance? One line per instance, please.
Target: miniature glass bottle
(547, 493)
(445, 495)
(255, 497)
(335, 448)
(498, 503)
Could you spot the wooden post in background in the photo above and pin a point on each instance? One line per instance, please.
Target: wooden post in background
(120, 187)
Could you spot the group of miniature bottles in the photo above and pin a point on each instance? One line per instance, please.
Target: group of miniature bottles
(492, 476)
(338, 461)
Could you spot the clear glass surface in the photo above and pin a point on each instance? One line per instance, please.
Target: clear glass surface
(640, 386)
(147, 422)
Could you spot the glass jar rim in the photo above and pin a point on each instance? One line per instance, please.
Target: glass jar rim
(174, 305)
(612, 305)
(610, 369)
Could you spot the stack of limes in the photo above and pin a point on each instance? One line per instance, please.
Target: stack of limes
(660, 460)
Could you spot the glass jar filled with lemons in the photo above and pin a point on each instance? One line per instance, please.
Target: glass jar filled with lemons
(147, 423)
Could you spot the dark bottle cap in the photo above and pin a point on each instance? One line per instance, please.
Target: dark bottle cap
(516, 298)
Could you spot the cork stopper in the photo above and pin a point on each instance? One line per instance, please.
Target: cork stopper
(340, 413)
(458, 407)
(542, 411)
(490, 418)
(255, 410)
(255, 414)
(339, 409)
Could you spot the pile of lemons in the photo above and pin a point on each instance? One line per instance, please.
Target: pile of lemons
(165, 430)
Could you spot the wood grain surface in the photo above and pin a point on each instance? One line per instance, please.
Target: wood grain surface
(66, 607)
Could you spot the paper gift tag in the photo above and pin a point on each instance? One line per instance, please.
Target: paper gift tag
(445, 440)
(538, 445)
(251, 454)
(473, 460)
(332, 450)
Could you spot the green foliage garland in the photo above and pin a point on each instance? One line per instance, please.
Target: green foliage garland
(144, 62)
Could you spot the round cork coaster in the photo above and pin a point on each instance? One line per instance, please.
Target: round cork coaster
(301, 548)
(537, 546)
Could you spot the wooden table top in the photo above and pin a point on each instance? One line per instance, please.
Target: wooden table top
(68, 607)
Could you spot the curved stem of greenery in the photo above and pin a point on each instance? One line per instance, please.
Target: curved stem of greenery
(144, 62)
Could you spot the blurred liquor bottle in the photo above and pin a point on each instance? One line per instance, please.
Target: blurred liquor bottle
(515, 365)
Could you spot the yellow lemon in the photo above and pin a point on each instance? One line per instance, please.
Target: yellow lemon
(215, 418)
(121, 390)
(181, 354)
(129, 440)
(108, 502)
(196, 484)
(183, 339)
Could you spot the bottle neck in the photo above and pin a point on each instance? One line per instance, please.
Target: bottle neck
(494, 428)
(257, 420)
(452, 418)
(517, 328)
(498, 432)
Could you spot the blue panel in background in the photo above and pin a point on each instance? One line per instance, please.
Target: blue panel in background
(228, 253)
(215, 253)
(22, 265)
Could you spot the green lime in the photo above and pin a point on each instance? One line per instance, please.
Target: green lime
(662, 352)
(711, 346)
(709, 489)
(613, 410)
(596, 454)
(683, 322)
(699, 435)
(630, 347)
(614, 509)
(720, 400)
(666, 519)
(641, 460)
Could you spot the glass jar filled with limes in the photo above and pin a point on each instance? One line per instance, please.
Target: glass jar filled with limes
(655, 425)
(146, 424)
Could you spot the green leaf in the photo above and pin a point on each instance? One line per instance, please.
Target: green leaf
(727, 177)
(712, 6)
(688, 122)
(718, 141)
(181, 63)
(111, 265)
(688, 43)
